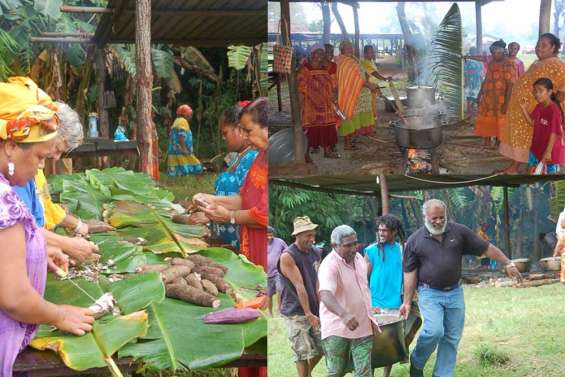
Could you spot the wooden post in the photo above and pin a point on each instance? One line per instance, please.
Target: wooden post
(544, 16)
(293, 89)
(354, 6)
(384, 194)
(327, 19)
(100, 81)
(479, 25)
(507, 224)
(144, 78)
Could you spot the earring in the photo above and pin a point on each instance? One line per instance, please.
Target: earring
(11, 168)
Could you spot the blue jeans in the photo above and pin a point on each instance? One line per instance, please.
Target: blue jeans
(444, 317)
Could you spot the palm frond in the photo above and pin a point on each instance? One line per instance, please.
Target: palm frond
(238, 56)
(163, 62)
(446, 61)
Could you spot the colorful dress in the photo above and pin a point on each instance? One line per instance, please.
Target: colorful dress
(316, 85)
(229, 183)
(516, 138)
(354, 98)
(178, 163)
(473, 78)
(255, 198)
(490, 120)
(15, 335)
(520, 69)
(369, 67)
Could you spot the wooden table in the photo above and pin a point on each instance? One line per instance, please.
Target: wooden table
(106, 148)
(47, 364)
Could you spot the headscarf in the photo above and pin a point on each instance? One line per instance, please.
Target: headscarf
(27, 113)
(499, 45)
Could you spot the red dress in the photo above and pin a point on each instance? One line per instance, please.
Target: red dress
(255, 198)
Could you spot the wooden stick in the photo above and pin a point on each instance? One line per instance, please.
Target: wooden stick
(76, 9)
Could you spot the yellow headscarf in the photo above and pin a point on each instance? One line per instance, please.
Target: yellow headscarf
(27, 113)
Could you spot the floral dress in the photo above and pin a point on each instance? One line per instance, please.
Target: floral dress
(229, 183)
(178, 162)
(15, 335)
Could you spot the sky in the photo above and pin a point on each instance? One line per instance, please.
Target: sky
(509, 19)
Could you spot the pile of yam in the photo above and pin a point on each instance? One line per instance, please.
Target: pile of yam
(195, 279)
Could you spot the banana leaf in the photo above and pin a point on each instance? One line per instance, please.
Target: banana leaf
(446, 61)
(83, 199)
(162, 235)
(175, 325)
(49, 8)
(238, 56)
(109, 334)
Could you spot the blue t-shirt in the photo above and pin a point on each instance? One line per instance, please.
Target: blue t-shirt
(386, 275)
(28, 194)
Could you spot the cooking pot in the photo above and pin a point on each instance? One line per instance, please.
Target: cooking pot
(522, 264)
(420, 96)
(550, 264)
(418, 132)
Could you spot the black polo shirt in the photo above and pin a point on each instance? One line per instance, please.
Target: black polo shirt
(439, 263)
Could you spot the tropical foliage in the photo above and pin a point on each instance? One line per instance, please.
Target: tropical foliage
(158, 332)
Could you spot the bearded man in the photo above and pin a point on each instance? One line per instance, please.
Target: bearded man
(432, 263)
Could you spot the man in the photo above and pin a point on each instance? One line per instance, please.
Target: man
(368, 64)
(345, 310)
(432, 262)
(298, 272)
(384, 266)
(275, 248)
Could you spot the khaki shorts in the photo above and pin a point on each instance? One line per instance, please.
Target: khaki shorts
(305, 341)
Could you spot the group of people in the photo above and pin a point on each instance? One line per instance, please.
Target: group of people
(330, 304)
(337, 94)
(520, 108)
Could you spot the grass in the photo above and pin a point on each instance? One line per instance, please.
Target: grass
(508, 332)
(185, 187)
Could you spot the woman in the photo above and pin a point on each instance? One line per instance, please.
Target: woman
(513, 49)
(316, 88)
(516, 138)
(229, 183)
(250, 208)
(495, 92)
(181, 161)
(26, 139)
(473, 79)
(354, 96)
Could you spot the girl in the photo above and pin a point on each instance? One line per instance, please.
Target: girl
(547, 119)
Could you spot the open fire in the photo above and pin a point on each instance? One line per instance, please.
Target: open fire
(419, 161)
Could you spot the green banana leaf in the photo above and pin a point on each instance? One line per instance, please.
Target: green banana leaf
(83, 199)
(446, 61)
(109, 333)
(163, 236)
(238, 56)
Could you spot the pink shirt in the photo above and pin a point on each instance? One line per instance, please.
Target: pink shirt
(350, 287)
(547, 121)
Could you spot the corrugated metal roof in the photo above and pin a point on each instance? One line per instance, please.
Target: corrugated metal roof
(367, 185)
(199, 23)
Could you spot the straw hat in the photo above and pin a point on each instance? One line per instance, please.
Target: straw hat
(303, 224)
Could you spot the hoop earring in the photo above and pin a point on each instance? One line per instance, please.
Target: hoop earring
(11, 168)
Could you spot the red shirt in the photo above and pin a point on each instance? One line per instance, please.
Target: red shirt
(547, 121)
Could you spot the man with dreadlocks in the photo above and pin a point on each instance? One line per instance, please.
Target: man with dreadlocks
(384, 265)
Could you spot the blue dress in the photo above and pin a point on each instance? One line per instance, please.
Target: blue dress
(229, 183)
(178, 163)
(28, 195)
(385, 282)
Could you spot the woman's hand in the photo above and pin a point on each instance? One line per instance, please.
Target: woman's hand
(74, 320)
(199, 218)
(200, 198)
(81, 249)
(546, 156)
(504, 108)
(217, 213)
(56, 259)
(97, 226)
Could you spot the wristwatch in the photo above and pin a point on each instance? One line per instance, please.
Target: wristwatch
(232, 217)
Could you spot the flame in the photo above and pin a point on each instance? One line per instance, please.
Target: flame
(411, 153)
(419, 162)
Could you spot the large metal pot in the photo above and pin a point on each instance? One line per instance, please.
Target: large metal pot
(420, 96)
(550, 264)
(418, 132)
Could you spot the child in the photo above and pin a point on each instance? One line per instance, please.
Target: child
(547, 119)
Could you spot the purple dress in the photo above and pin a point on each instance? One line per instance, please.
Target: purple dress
(14, 335)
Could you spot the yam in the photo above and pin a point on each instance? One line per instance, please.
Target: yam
(208, 270)
(194, 280)
(173, 272)
(218, 282)
(209, 287)
(231, 315)
(153, 268)
(192, 295)
(182, 261)
(200, 259)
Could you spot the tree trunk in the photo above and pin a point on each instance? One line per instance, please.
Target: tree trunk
(544, 16)
(146, 134)
(83, 87)
(339, 20)
(327, 18)
(410, 50)
(100, 81)
(559, 7)
(384, 195)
